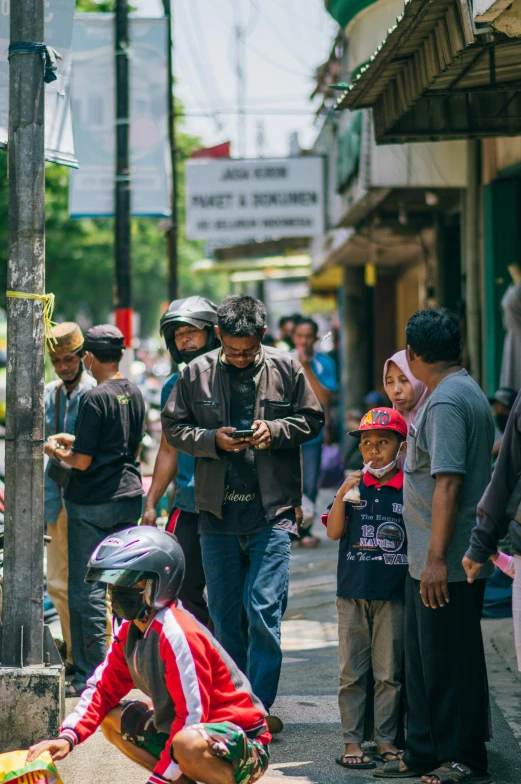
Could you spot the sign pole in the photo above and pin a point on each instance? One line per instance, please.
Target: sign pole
(172, 234)
(31, 694)
(122, 242)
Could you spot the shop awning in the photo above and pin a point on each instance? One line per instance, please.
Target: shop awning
(438, 76)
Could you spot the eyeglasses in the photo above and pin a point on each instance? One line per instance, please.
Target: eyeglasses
(241, 356)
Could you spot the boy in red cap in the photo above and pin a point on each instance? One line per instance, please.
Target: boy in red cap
(372, 565)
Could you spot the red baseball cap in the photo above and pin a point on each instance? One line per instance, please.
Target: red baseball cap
(382, 419)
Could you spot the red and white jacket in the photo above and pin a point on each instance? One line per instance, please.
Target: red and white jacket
(183, 669)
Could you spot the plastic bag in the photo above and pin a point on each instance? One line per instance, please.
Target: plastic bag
(40, 771)
(308, 510)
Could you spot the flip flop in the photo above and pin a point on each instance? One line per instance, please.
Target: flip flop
(360, 765)
(391, 770)
(456, 773)
(385, 757)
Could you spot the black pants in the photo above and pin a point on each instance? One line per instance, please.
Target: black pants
(446, 679)
(185, 526)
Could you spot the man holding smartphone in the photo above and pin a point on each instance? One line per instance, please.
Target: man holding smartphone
(243, 412)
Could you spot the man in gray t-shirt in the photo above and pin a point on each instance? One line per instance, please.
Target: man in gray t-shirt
(454, 435)
(446, 471)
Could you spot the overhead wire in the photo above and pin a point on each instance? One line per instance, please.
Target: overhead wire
(199, 68)
(274, 63)
(277, 33)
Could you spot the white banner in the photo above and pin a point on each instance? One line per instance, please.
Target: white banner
(91, 190)
(264, 198)
(59, 15)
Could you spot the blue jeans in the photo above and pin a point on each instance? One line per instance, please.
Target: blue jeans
(249, 573)
(311, 459)
(88, 525)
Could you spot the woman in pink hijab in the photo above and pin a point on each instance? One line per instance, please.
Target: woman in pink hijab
(405, 392)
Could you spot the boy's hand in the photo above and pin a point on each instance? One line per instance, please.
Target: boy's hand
(58, 748)
(472, 568)
(352, 480)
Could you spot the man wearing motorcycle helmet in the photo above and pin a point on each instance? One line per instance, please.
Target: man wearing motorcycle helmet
(188, 328)
(203, 723)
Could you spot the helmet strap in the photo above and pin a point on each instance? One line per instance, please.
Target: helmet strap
(149, 592)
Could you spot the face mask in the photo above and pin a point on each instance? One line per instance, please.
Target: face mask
(127, 603)
(378, 473)
(501, 421)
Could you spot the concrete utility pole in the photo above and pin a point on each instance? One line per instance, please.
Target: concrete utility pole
(122, 242)
(31, 698)
(172, 234)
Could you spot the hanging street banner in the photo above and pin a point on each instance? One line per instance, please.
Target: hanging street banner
(259, 199)
(59, 16)
(91, 192)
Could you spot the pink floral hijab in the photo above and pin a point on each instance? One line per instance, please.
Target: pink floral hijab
(421, 393)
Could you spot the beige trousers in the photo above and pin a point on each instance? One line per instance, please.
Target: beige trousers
(58, 580)
(58, 575)
(370, 633)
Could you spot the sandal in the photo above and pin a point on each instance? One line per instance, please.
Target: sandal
(389, 756)
(360, 765)
(456, 773)
(392, 770)
(74, 690)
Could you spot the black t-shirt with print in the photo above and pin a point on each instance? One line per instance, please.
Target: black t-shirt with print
(372, 556)
(242, 509)
(109, 428)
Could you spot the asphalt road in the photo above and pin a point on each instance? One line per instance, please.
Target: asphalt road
(305, 752)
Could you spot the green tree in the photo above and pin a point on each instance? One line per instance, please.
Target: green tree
(79, 253)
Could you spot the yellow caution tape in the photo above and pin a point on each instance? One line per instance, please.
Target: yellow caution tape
(48, 309)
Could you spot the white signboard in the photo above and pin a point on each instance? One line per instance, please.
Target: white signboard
(59, 15)
(91, 191)
(265, 198)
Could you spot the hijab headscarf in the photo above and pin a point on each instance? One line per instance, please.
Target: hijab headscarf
(420, 391)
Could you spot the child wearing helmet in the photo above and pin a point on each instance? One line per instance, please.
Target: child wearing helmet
(372, 566)
(202, 722)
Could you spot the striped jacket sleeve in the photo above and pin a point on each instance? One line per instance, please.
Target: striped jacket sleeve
(105, 689)
(188, 676)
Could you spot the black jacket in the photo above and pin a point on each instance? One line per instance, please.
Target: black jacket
(493, 522)
(200, 404)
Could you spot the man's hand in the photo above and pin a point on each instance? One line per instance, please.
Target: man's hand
(149, 516)
(472, 568)
(65, 440)
(224, 441)
(434, 585)
(262, 436)
(58, 748)
(299, 516)
(50, 446)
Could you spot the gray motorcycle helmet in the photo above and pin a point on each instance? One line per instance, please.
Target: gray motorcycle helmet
(196, 312)
(137, 553)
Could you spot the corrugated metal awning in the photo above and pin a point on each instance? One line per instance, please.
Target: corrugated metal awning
(436, 76)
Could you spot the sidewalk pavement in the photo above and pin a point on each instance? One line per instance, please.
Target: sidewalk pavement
(305, 751)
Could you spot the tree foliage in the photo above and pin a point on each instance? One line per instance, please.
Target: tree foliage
(80, 255)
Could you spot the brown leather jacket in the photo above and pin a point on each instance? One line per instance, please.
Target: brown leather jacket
(200, 404)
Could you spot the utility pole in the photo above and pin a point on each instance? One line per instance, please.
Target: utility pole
(31, 695)
(122, 242)
(22, 638)
(172, 234)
